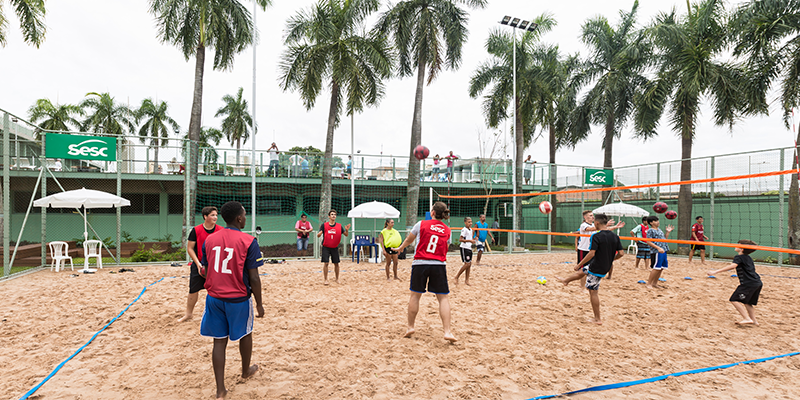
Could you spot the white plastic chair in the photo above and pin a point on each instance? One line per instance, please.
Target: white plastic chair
(92, 248)
(201, 169)
(59, 251)
(634, 247)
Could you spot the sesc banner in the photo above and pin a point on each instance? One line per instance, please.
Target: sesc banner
(603, 177)
(79, 147)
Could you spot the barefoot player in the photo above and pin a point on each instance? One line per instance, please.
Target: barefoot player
(194, 246)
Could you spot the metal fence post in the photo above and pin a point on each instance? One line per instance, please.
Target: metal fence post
(780, 212)
(43, 161)
(6, 195)
(711, 230)
(658, 180)
(119, 193)
(553, 177)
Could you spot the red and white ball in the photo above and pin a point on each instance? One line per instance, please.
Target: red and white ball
(421, 152)
(660, 207)
(671, 214)
(545, 207)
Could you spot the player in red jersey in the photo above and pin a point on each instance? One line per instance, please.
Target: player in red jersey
(231, 258)
(194, 246)
(333, 232)
(429, 268)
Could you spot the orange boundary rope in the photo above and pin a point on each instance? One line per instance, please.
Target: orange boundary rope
(715, 244)
(604, 189)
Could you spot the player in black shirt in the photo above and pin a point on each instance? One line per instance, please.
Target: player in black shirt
(605, 248)
(746, 295)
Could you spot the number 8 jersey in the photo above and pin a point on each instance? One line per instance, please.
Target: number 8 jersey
(227, 255)
(434, 237)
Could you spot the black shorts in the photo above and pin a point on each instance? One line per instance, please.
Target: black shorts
(653, 260)
(430, 276)
(746, 294)
(466, 255)
(581, 255)
(331, 253)
(196, 282)
(390, 251)
(698, 247)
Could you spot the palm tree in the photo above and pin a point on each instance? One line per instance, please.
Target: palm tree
(104, 115)
(155, 127)
(688, 71)
(237, 122)
(209, 140)
(421, 30)
(499, 72)
(54, 117)
(768, 35)
(192, 25)
(327, 46)
(619, 57)
(31, 20)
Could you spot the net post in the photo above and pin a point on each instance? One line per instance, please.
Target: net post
(711, 230)
(6, 194)
(583, 187)
(780, 211)
(553, 177)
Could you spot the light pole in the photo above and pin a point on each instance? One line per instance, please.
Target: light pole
(515, 23)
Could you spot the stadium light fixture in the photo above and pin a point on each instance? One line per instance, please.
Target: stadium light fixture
(524, 25)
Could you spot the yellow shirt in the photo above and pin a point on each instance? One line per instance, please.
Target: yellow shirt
(391, 238)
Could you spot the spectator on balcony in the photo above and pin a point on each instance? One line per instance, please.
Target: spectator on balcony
(527, 169)
(304, 167)
(450, 158)
(57, 166)
(273, 160)
(435, 170)
(349, 168)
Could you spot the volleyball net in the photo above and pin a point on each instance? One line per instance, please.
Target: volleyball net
(736, 202)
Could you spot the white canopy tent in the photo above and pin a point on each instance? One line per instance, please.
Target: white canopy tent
(622, 210)
(85, 198)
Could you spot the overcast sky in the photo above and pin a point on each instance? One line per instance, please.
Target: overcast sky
(111, 46)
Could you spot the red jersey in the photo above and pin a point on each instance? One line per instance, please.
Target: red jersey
(698, 232)
(332, 235)
(433, 237)
(201, 235)
(228, 255)
(644, 230)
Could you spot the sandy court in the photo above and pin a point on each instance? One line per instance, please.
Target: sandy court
(517, 339)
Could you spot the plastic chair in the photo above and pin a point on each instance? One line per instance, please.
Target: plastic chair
(634, 246)
(92, 248)
(362, 241)
(59, 251)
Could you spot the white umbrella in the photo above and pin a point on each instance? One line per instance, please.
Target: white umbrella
(622, 210)
(82, 198)
(374, 209)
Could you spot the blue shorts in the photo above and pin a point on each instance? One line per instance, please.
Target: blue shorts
(227, 320)
(661, 261)
(302, 244)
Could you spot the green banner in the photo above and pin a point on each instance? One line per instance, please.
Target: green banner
(604, 177)
(79, 147)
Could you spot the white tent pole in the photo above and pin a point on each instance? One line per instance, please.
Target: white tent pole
(85, 230)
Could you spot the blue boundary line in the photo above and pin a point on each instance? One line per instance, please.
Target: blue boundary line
(662, 377)
(35, 388)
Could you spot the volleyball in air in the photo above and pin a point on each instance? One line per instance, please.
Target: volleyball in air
(545, 207)
(541, 280)
(421, 152)
(660, 207)
(671, 214)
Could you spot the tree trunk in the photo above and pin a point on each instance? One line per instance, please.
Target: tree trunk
(416, 139)
(238, 149)
(327, 161)
(685, 192)
(155, 157)
(190, 178)
(608, 146)
(519, 150)
(794, 213)
(553, 177)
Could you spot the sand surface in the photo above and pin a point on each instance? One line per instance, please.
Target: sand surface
(517, 339)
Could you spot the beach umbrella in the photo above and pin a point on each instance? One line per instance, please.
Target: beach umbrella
(85, 198)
